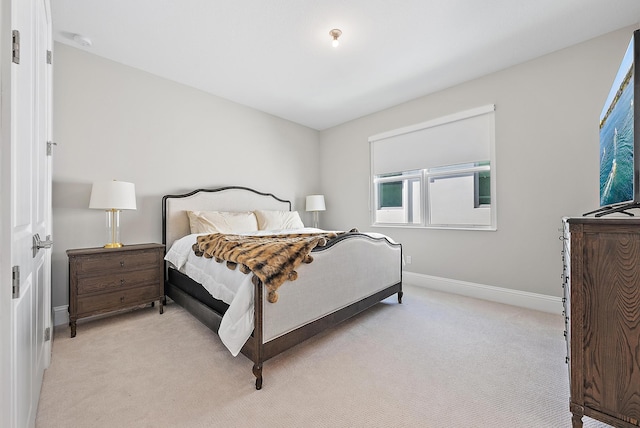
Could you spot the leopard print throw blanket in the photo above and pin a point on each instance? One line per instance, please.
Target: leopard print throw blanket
(272, 258)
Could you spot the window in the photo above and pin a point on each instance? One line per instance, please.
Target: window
(398, 198)
(390, 194)
(456, 196)
(436, 174)
(482, 187)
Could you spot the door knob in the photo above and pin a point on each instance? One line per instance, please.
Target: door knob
(37, 243)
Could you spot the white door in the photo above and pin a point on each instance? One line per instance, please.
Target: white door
(26, 351)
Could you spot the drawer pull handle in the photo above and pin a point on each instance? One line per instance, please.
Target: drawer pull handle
(122, 282)
(122, 263)
(122, 299)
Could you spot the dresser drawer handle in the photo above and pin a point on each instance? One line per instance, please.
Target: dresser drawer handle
(121, 281)
(122, 299)
(122, 263)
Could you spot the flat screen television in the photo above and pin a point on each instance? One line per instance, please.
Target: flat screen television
(619, 166)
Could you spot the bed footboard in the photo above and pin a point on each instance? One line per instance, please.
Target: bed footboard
(261, 353)
(352, 269)
(351, 276)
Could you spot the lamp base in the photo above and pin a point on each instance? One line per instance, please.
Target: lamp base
(316, 219)
(113, 245)
(113, 229)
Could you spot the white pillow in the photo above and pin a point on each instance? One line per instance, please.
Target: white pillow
(275, 220)
(222, 221)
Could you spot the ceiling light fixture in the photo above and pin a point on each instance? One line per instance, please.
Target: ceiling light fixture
(335, 33)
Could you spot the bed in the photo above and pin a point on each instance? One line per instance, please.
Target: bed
(348, 274)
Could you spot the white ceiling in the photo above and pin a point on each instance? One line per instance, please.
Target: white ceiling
(276, 55)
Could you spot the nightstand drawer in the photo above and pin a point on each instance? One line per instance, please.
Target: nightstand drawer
(116, 262)
(93, 284)
(109, 301)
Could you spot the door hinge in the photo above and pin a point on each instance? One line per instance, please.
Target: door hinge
(16, 46)
(50, 145)
(49, 57)
(47, 334)
(15, 281)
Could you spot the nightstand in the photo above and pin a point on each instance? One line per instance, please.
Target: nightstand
(104, 280)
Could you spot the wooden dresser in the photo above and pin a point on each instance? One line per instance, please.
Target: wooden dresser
(103, 280)
(602, 312)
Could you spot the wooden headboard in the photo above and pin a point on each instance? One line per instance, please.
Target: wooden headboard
(175, 222)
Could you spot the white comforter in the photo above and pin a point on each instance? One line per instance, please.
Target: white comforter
(231, 286)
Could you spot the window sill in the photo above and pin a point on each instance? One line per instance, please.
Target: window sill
(449, 227)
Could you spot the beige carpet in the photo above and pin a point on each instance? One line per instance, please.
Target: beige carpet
(437, 360)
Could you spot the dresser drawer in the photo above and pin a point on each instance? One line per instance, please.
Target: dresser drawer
(116, 262)
(119, 280)
(118, 299)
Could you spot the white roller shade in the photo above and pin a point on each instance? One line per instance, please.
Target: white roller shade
(455, 139)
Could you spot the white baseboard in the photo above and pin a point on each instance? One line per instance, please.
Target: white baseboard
(524, 299)
(61, 315)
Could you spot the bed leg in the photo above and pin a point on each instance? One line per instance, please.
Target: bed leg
(257, 372)
(400, 293)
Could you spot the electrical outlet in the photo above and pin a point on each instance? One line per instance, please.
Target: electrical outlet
(408, 259)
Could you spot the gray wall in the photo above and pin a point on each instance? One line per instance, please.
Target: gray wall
(116, 122)
(547, 113)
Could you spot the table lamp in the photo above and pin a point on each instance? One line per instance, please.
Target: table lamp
(315, 203)
(113, 196)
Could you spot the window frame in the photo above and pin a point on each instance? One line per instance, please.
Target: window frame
(426, 173)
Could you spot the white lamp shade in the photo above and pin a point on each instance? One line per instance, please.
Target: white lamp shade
(315, 203)
(116, 195)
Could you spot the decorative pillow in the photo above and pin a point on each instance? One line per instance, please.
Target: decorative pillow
(222, 221)
(274, 220)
